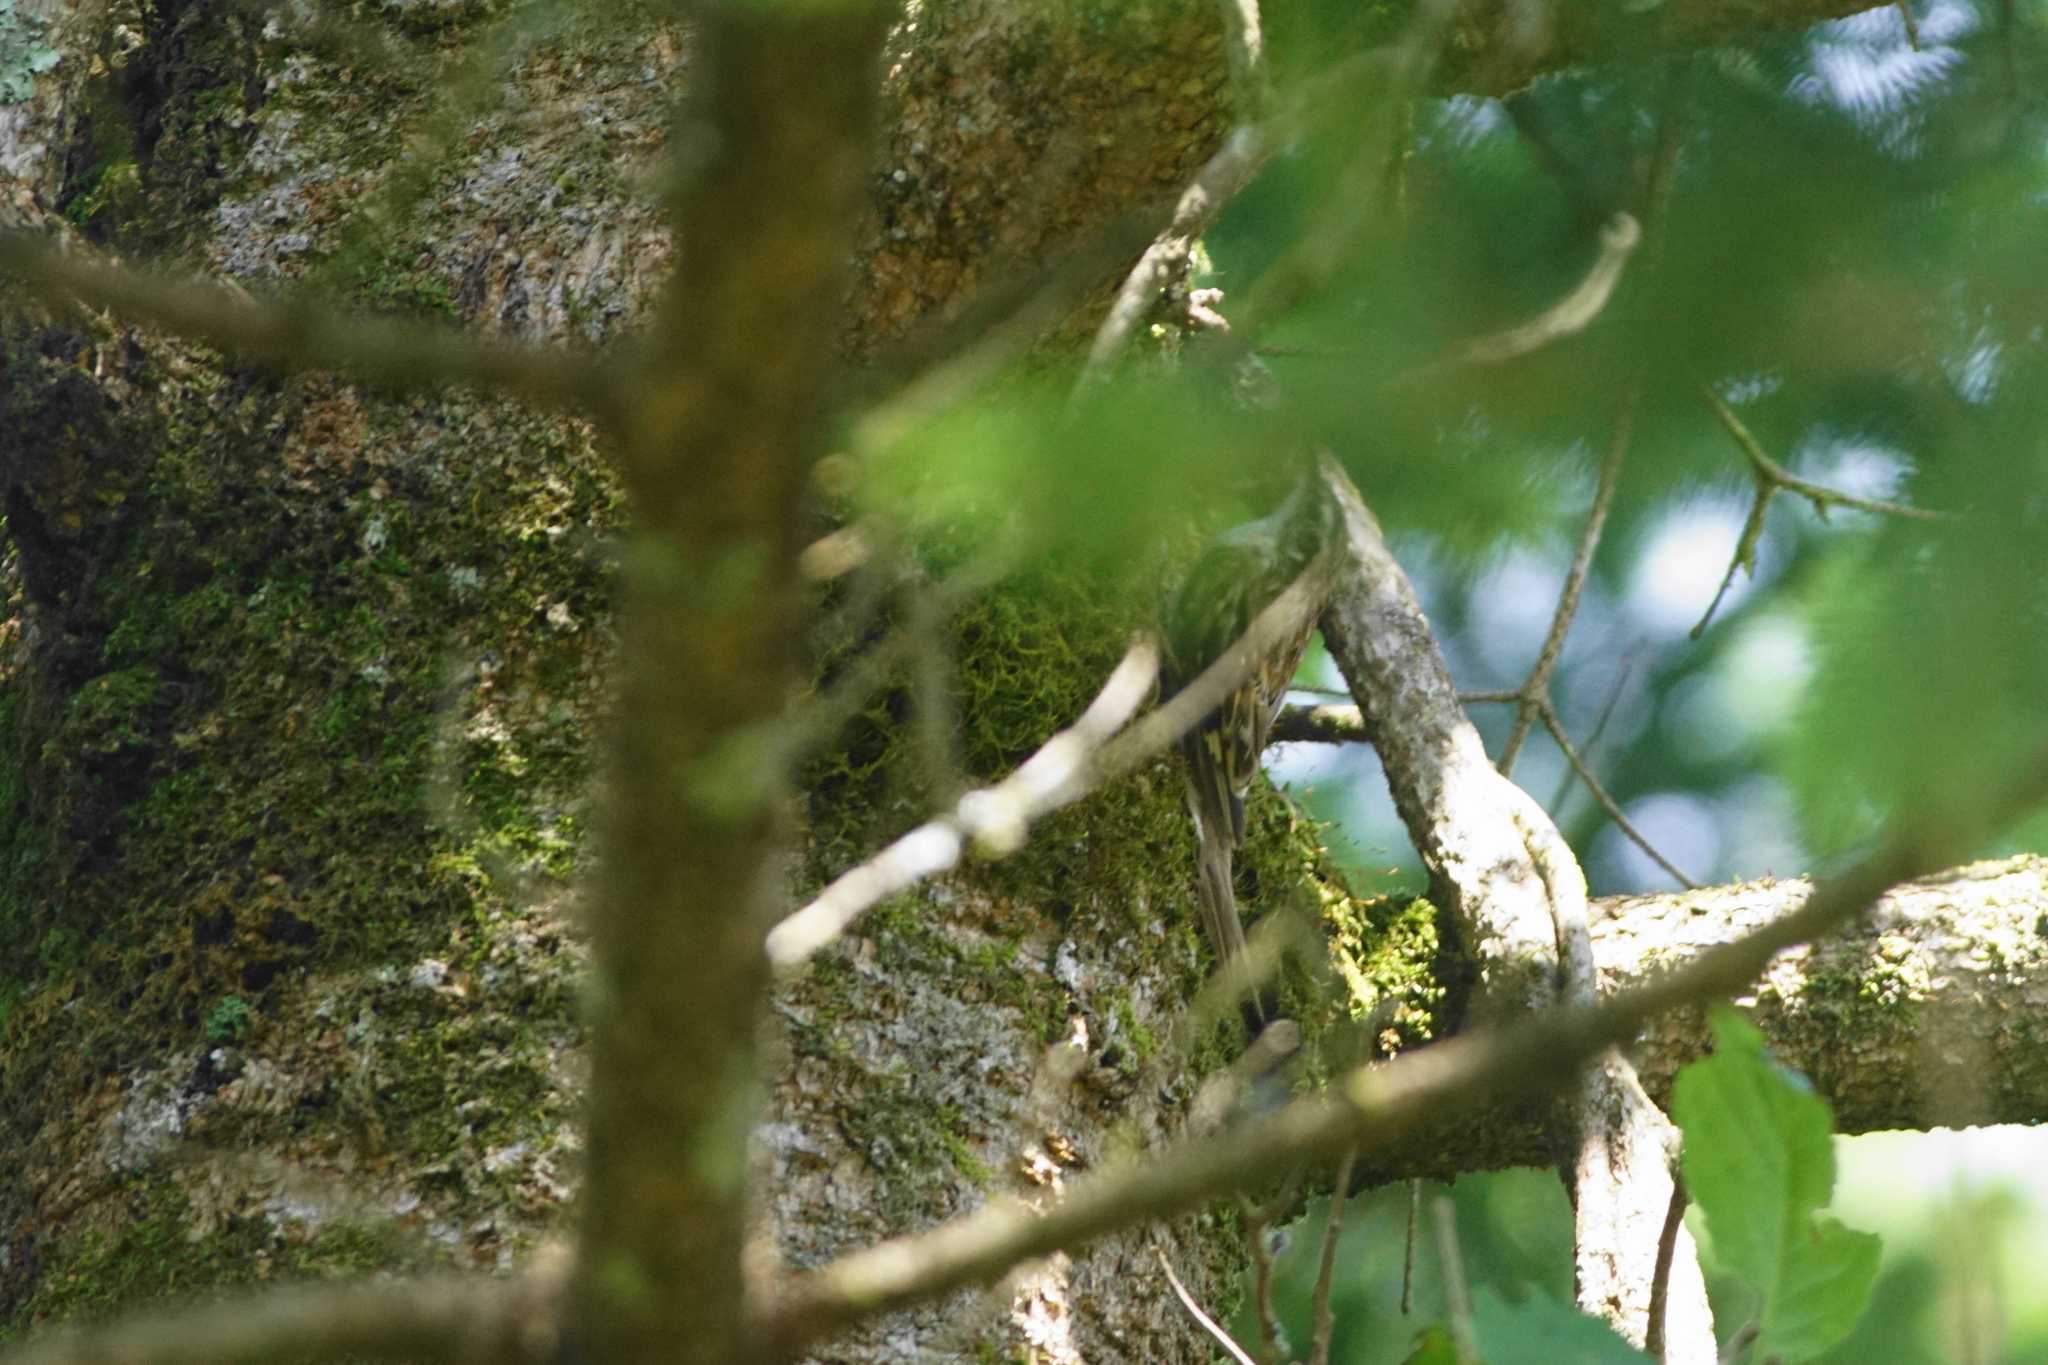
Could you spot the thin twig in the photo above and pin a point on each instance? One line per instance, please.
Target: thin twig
(1394, 75)
(307, 335)
(1820, 495)
(1771, 478)
(1326, 1271)
(1451, 1266)
(988, 814)
(1066, 768)
(444, 1319)
(850, 690)
(1567, 317)
(1534, 129)
(1208, 1324)
(1745, 552)
(1912, 24)
(1607, 710)
(935, 712)
(1216, 184)
(1552, 723)
(1535, 689)
(1245, 44)
(1739, 1344)
(1660, 1284)
(1256, 1220)
(1408, 1248)
(1369, 1107)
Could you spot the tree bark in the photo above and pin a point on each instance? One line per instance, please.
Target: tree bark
(303, 679)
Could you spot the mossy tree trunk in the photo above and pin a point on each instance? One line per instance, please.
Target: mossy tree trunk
(304, 686)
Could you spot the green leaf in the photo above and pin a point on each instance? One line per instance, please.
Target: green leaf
(1759, 1161)
(1433, 1346)
(1542, 1331)
(1827, 1288)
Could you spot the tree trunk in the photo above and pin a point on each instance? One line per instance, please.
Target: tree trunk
(303, 684)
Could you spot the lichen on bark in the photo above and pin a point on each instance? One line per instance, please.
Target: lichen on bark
(301, 699)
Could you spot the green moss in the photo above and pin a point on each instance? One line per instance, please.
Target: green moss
(322, 725)
(152, 1243)
(1141, 1040)
(1389, 956)
(1877, 1001)
(108, 714)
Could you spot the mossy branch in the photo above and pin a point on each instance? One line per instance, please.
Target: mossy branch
(302, 334)
(450, 1319)
(1369, 1108)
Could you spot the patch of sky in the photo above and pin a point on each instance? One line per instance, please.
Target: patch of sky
(1680, 825)
(1868, 67)
(1759, 830)
(1752, 692)
(1681, 565)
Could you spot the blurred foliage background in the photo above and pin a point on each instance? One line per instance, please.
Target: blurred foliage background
(1845, 263)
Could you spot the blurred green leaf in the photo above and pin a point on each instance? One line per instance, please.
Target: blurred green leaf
(1541, 1331)
(1759, 1161)
(1433, 1346)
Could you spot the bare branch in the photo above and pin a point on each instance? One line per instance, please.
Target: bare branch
(1535, 689)
(467, 1319)
(1459, 810)
(1207, 1323)
(1326, 1270)
(1066, 768)
(1371, 1107)
(1608, 804)
(1567, 317)
(995, 816)
(303, 334)
(1771, 478)
(1500, 864)
(1451, 1265)
(1320, 725)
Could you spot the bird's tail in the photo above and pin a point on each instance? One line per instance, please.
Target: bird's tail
(1217, 820)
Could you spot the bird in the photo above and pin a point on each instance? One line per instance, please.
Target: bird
(1238, 573)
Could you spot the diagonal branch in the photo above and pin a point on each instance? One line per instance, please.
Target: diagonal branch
(1069, 766)
(1371, 1107)
(304, 334)
(468, 1319)
(1555, 724)
(1508, 877)
(1534, 692)
(1218, 182)
(1569, 316)
(994, 815)
(1207, 1323)
(1772, 478)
